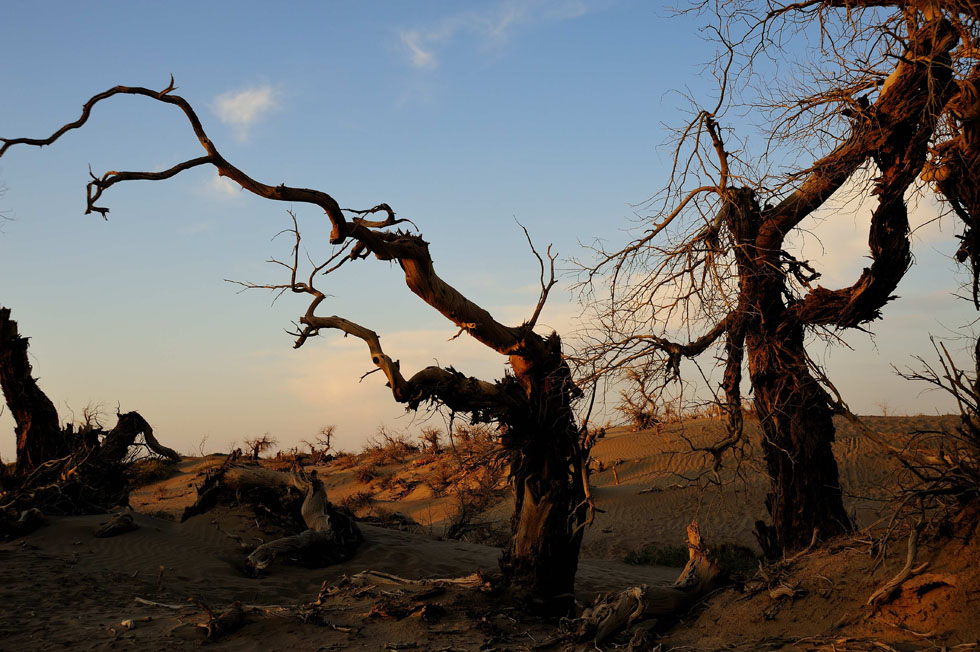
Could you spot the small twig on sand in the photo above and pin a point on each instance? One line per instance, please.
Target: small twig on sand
(161, 604)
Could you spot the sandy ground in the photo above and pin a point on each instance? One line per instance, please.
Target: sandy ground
(61, 588)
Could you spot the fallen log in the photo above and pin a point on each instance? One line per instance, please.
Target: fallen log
(331, 536)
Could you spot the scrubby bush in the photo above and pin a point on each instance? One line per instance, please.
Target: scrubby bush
(149, 470)
(366, 474)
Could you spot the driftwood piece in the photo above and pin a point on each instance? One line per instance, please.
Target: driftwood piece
(217, 625)
(615, 613)
(227, 622)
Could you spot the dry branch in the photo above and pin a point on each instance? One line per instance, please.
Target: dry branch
(907, 571)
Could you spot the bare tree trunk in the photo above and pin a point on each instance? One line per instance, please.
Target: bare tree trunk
(39, 435)
(541, 559)
(794, 411)
(798, 430)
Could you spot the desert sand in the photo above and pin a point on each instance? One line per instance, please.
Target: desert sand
(62, 588)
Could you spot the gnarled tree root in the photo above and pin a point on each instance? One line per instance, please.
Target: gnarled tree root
(615, 613)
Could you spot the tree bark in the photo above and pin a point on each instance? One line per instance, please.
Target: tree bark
(39, 435)
(798, 433)
(541, 559)
(794, 411)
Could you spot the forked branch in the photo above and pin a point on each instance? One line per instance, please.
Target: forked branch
(446, 386)
(410, 251)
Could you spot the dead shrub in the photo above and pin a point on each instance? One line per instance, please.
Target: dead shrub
(258, 445)
(431, 440)
(357, 500)
(149, 470)
(390, 448)
(943, 467)
(366, 474)
(320, 446)
(345, 460)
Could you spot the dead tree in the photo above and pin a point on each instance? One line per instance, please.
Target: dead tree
(39, 434)
(60, 470)
(532, 406)
(637, 403)
(258, 445)
(715, 255)
(330, 537)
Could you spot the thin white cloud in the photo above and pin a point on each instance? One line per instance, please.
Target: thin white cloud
(420, 57)
(223, 187)
(241, 109)
(491, 28)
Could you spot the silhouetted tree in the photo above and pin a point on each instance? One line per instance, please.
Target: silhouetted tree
(893, 95)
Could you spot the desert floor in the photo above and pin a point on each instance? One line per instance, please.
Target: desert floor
(62, 588)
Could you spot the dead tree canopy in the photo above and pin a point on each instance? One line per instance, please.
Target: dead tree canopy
(893, 87)
(532, 405)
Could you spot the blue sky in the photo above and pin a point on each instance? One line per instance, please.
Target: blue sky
(465, 117)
